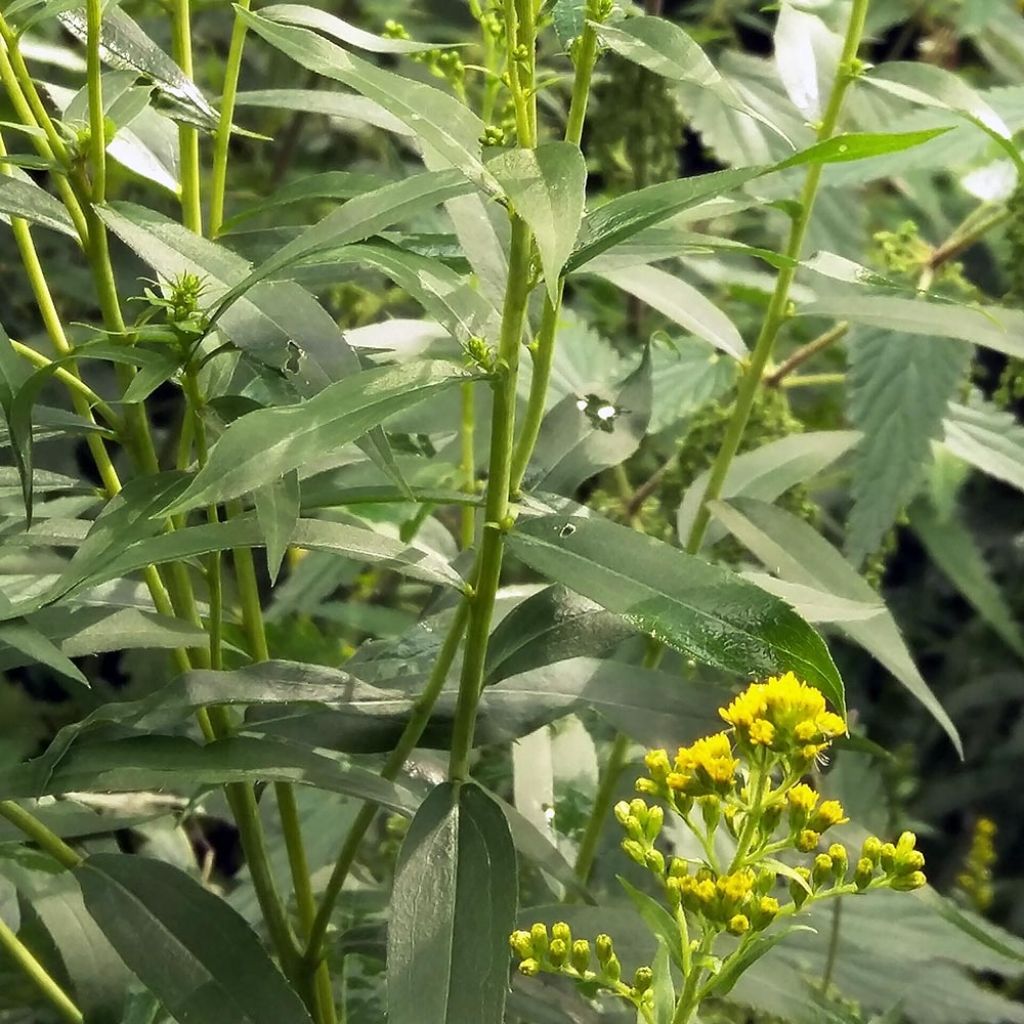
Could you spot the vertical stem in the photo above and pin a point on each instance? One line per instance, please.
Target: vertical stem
(602, 805)
(222, 139)
(833, 946)
(97, 116)
(467, 513)
(499, 476)
(38, 975)
(778, 307)
(188, 135)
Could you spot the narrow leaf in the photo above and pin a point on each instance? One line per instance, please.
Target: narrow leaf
(28, 201)
(989, 438)
(277, 510)
(343, 31)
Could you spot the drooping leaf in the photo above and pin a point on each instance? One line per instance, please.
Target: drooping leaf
(185, 943)
(681, 303)
(585, 434)
(710, 614)
(899, 389)
(794, 550)
(36, 648)
(343, 31)
(952, 547)
(25, 199)
(992, 327)
(858, 146)
(547, 188)
(277, 511)
(989, 438)
(767, 472)
(440, 120)
(452, 909)
(265, 444)
(347, 106)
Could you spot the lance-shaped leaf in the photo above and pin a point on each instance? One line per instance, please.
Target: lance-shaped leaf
(186, 945)
(547, 188)
(277, 510)
(452, 909)
(714, 616)
(28, 201)
(440, 120)
(343, 31)
(989, 438)
(264, 445)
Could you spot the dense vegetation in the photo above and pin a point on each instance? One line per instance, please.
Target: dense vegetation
(506, 502)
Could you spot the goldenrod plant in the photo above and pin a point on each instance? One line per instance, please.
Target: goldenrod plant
(726, 909)
(410, 412)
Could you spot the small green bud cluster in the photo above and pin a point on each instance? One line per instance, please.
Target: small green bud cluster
(557, 952)
(898, 866)
(643, 826)
(179, 305)
(480, 353)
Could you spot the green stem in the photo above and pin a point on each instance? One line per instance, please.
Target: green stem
(97, 116)
(543, 351)
(407, 742)
(752, 818)
(188, 135)
(467, 514)
(603, 801)
(806, 352)
(690, 997)
(222, 139)
(38, 975)
(833, 946)
(499, 476)
(779, 305)
(813, 380)
(48, 841)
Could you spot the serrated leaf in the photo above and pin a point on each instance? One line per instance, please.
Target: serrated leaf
(898, 390)
(547, 188)
(681, 303)
(330, 25)
(767, 472)
(685, 375)
(277, 511)
(452, 910)
(794, 550)
(707, 612)
(438, 119)
(989, 438)
(951, 546)
(186, 944)
(266, 444)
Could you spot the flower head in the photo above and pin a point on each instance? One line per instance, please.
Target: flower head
(784, 715)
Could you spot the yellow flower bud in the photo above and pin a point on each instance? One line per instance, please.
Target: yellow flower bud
(762, 733)
(906, 842)
(642, 980)
(739, 924)
(561, 931)
(639, 809)
(655, 861)
(634, 851)
(581, 956)
(828, 814)
(673, 891)
(558, 952)
(807, 841)
(539, 938)
(658, 764)
(907, 883)
(705, 892)
(677, 867)
(913, 861)
(887, 857)
(864, 874)
(872, 849)
(648, 786)
(522, 944)
(604, 948)
(822, 870)
(531, 968)
(622, 812)
(840, 860)
(765, 911)
(655, 820)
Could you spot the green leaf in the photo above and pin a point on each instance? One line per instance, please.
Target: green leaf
(264, 445)
(158, 762)
(439, 120)
(187, 946)
(951, 546)
(361, 217)
(767, 472)
(25, 199)
(585, 434)
(346, 105)
(749, 952)
(933, 86)
(621, 218)
(707, 612)
(657, 918)
(547, 188)
(548, 627)
(858, 146)
(989, 326)
(343, 31)
(125, 47)
(681, 303)
(277, 511)
(899, 389)
(452, 910)
(685, 375)
(29, 642)
(794, 550)
(806, 54)
(664, 990)
(569, 17)
(13, 374)
(989, 438)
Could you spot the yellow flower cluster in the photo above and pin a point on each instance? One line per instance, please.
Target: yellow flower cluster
(738, 901)
(975, 879)
(786, 716)
(705, 768)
